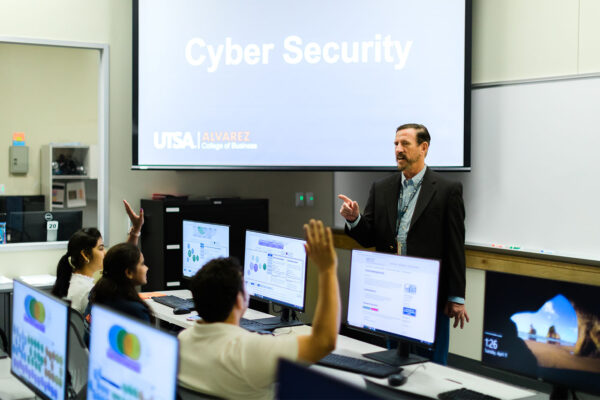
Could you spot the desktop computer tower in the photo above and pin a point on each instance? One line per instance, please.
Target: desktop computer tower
(161, 238)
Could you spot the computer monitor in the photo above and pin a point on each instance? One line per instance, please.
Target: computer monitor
(39, 350)
(42, 226)
(295, 381)
(202, 242)
(9, 204)
(275, 270)
(394, 296)
(544, 329)
(130, 359)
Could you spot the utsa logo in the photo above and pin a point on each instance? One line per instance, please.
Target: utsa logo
(174, 140)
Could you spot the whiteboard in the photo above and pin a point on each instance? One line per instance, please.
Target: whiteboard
(535, 178)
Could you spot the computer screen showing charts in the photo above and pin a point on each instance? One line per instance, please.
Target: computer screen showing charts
(129, 359)
(275, 269)
(543, 328)
(39, 341)
(201, 243)
(394, 295)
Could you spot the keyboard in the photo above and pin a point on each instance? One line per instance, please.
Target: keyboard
(370, 368)
(465, 394)
(174, 302)
(252, 325)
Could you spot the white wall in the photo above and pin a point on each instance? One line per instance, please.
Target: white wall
(525, 39)
(50, 94)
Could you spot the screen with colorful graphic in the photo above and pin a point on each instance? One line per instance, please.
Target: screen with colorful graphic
(275, 269)
(39, 341)
(394, 295)
(201, 243)
(289, 85)
(543, 328)
(129, 359)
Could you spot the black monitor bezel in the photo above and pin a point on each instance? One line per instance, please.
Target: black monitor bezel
(536, 376)
(27, 217)
(141, 324)
(267, 299)
(381, 332)
(314, 384)
(183, 275)
(66, 304)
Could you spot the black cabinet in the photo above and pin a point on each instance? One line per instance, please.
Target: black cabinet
(161, 238)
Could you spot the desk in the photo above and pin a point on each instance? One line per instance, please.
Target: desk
(10, 387)
(426, 379)
(165, 313)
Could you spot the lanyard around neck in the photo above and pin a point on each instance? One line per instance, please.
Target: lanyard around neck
(405, 206)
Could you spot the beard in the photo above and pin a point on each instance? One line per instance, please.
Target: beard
(403, 162)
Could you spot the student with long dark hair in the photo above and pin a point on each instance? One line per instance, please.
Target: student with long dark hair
(75, 269)
(124, 269)
(84, 256)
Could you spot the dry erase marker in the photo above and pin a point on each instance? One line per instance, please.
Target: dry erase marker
(515, 247)
(547, 251)
(498, 246)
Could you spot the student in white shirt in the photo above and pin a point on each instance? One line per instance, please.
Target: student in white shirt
(84, 256)
(220, 358)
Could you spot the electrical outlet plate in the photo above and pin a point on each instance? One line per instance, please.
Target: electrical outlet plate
(19, 159)
(310, 199)
(299, 199)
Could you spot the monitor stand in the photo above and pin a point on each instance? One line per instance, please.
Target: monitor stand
(397, 357)
(559, 392)
(287, 319)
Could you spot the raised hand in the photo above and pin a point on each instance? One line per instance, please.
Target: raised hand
(136, 220)
(349, 209)
(319, 245)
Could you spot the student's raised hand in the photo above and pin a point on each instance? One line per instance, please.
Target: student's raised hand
(136, 220)
(349, 209)
(319, 245)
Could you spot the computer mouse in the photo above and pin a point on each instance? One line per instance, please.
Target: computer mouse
(397, 379)
(181, 310)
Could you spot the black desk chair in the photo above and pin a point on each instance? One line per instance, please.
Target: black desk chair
(4, 348)
(78, 352)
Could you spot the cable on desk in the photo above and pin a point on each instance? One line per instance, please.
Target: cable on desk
(415, 370)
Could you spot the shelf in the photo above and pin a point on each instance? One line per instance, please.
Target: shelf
(79, 155)
(70, 177)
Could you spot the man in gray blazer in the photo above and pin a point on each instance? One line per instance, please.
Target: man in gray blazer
(420, 213)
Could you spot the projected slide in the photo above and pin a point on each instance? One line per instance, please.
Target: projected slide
(393, 294)
(275, 268)
(277, 83)
(39, 341)
(130, 360)
(201, 243)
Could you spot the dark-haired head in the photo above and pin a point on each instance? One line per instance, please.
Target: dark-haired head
(124, 268)
(215, 288)
(85, 253)
(121, 265)
(411, 145)
(421, 132)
